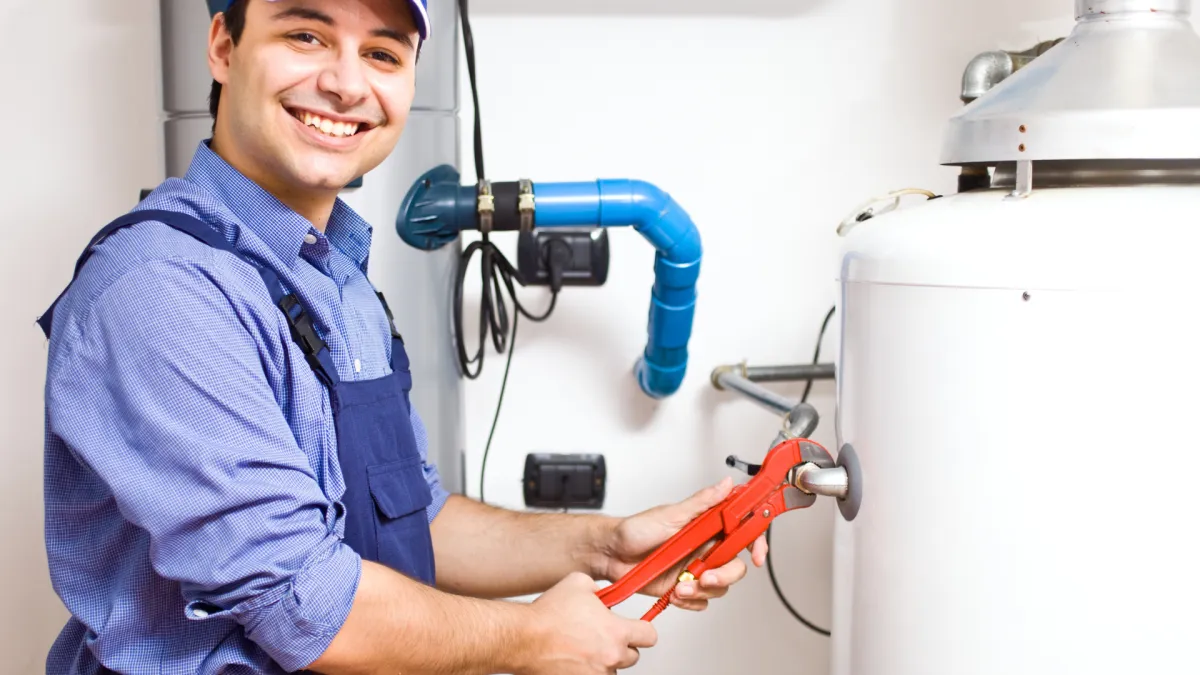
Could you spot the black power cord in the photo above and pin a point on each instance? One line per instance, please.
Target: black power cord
(497, 274)
(770, 566)
(469, 45)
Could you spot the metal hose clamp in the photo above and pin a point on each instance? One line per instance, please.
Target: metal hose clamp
(525, 204)
(486, 206)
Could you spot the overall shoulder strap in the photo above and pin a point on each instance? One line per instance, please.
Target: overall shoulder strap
(179, 221)
(303, 331)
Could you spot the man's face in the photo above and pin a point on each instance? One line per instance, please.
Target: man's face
(316, 92)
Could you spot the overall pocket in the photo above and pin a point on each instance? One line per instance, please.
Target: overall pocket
(401, 497)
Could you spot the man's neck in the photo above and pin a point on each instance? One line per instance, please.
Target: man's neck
(315, 206)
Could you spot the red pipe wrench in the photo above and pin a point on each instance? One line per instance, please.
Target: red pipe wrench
(734, 524)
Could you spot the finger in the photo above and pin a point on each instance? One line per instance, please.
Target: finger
(691, 591)
(690, 605)
(641, 634)
(631, 658)
(724, 576)
(704, 500)
(710, 593)
(758, 551)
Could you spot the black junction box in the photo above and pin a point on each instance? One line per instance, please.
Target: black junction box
(586, 264)
(564, 481)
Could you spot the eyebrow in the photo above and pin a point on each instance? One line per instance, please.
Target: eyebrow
(314, 15)
(304, 13)
(388, 33)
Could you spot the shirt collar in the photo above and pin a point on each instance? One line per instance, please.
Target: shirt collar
(281, 229)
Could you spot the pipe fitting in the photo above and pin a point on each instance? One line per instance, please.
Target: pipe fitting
(983, 72)
(799, 422)
(812, 479)
(721, 371)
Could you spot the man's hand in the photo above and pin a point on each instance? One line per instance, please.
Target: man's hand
(639, 535)
(575, 634)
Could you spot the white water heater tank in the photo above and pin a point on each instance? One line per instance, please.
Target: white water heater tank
(1018, 375)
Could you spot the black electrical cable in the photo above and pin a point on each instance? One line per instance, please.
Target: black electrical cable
(770, 566)
(817, 353)
(493, 314)
(469, 45)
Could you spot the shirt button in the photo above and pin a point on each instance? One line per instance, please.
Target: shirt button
(310, 238)
(200, 613)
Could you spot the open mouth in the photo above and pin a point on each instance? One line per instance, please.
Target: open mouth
(329, 127)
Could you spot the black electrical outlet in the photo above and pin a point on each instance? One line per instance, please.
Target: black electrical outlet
(564, 481)
(586, 264)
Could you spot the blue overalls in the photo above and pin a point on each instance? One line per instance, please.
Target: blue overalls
(386, 493)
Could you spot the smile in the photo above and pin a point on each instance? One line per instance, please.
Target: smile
(330, 127)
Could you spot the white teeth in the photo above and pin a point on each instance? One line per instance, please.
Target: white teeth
(329, 126)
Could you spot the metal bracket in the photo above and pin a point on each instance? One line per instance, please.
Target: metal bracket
(486, 206)
(1024, 183)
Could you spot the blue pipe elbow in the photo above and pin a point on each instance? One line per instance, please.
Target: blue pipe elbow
(436, 209)
(658, 218)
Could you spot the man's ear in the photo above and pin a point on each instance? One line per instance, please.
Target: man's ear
(220, 47)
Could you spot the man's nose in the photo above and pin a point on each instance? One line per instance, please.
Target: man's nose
(345, 79)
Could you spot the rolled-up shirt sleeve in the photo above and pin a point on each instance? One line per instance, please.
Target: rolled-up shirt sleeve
(163, 394)
(433, 477)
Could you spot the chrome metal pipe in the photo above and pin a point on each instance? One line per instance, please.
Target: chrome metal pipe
(833, 482)
(799, 418)
(726, 378)
(820, 371)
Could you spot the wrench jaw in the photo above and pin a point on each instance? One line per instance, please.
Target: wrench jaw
(815, 454)
(795, 498)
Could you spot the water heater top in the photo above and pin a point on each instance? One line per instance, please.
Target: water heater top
(1125, 84)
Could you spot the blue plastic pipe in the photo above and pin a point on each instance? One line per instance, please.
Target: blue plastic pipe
(437, 208)
(654, 214)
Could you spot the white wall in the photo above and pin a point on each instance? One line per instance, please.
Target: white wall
(767, 122)
(80, 101)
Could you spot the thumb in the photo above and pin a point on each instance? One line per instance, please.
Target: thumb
(705, 499)
(580, 581)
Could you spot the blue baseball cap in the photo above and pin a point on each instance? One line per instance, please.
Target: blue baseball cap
(420, 10)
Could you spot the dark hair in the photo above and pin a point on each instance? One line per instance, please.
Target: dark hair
(235, 23)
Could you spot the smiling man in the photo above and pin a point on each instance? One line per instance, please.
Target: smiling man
(236, 481)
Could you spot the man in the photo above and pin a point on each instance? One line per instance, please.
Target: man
(235, 479)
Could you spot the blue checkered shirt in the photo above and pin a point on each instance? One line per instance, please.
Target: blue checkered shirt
(191, 469)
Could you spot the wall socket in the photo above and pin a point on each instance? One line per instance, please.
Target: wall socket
(588, 265)
(562, 481)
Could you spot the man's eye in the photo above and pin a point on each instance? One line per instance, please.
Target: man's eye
(306, 37)
(385, 57)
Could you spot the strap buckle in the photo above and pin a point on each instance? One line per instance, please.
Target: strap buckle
(391, 320)
(303, 331)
